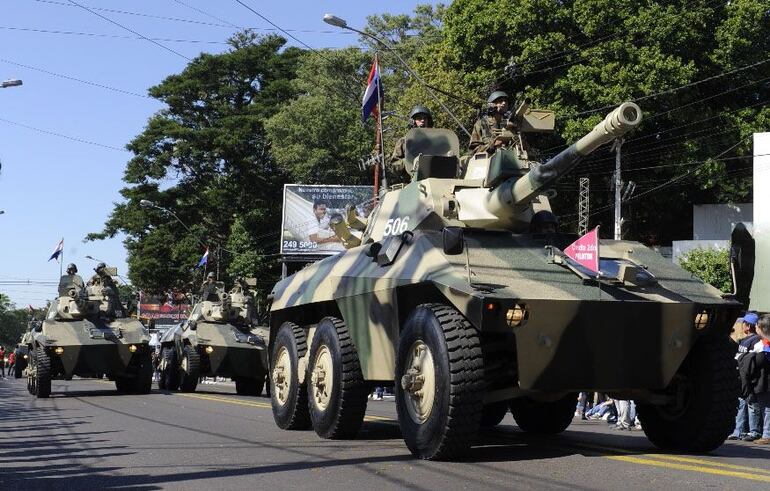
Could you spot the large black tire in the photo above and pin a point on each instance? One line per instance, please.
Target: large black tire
(544, 417)
(122, 384)
(247, 386)
(190, 371)
(42, 382)
(493, 414)
(142, 381)
(169, 376)
(337, 393)
(288, 396)
(709, 380)
(439, 347)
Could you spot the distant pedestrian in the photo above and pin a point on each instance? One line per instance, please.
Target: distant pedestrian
(2, 361)
(762, 387)
(748, 419)
(11, 362)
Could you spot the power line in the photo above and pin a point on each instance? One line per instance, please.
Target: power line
(60, 135)
(112, 36)
(230, 24)
(67, 77)
(130, 30)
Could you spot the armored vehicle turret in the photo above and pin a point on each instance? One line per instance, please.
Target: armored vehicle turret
(452, 299)
(221, 338)
(87, 333)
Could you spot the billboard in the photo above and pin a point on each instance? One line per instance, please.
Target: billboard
(164, 310)
(306, 213)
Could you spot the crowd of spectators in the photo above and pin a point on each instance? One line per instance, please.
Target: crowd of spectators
(752, 424)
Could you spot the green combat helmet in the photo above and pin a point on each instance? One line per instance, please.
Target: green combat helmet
(452, 300)
(87, 333)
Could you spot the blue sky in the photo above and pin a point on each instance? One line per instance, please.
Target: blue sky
(52, 187)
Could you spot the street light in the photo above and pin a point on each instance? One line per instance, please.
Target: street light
(14, 82)
(335, 21)
(145, 203)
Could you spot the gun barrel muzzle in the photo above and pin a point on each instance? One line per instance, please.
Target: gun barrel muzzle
(617, 123)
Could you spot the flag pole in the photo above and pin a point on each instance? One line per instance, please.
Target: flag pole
(380, 145)
(61, 256)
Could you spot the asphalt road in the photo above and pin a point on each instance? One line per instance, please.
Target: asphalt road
(86, 436)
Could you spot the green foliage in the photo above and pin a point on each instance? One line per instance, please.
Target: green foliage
(711, 266)
(205, 159)
(13, 322)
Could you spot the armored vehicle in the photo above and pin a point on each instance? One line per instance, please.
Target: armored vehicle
(451, 298)
(86, 333)
(219, 339)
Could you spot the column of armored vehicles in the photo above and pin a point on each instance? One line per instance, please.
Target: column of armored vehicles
(449, 298)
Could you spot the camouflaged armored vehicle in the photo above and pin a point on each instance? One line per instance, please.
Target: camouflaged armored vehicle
(219, 339)
(450, 298)
(87, 333)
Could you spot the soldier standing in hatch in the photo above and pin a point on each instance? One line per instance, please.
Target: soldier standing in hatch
(72, 278)
(486, 131)
(419, 117)
(108, 286)
(208, 287)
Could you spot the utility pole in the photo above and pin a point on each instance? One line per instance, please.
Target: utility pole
(583, 206)
(618, 187)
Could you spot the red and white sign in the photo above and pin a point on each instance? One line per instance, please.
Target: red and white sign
(585, 250)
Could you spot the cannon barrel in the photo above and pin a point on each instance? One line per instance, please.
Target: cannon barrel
(617, 123)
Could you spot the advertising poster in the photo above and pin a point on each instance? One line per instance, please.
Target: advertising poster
(307, 211)
(164, 310)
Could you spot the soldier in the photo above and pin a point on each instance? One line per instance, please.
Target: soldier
(419, 117)
(208, 287)
(71, 279)
(108, 285)
(543, 222)
(486, 131)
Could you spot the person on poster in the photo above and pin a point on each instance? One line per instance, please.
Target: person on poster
(319, 231)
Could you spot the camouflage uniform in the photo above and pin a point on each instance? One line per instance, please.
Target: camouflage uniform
(396, 165)
(483, 134)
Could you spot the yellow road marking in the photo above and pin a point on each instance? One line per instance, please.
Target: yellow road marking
(693, 468)
(261, 404)
(693, 460)
(229, 401)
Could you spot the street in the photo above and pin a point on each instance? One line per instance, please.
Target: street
(87, 436)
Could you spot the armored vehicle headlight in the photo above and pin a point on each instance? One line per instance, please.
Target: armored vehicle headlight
(132, 348)
(701, 320)
(516, 316)
(209, 349)
(26, 357)
(58, 350)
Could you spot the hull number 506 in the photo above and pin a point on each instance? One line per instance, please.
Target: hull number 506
(396, 226)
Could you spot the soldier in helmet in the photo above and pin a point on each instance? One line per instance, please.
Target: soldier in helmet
(101, 277)
(70, 280)
(544, 222)
(419, 117)
(208, 287)
(485, 136)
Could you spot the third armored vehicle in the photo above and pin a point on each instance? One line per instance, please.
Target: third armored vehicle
(219, 339)
(455, 301)
(87, 333)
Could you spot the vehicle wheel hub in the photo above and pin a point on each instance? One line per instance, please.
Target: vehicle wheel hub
(321, 378)
(282, 376)
(419, 382)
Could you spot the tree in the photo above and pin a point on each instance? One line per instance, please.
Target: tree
(205, 157)
(582, 58)
(13, 322)
(711, 266)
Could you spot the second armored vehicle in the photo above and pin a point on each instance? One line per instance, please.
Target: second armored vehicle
(87, 333)
(469, 312)
(219, 339)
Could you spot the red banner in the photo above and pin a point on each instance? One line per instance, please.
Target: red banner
(585, 250)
